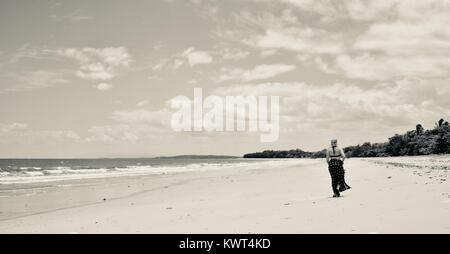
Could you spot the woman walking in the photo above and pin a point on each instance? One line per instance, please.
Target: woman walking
(335, 160)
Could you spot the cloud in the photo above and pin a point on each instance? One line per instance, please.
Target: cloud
(259, 72)
(142, 103)
(159, 45)
(177, 63)
(323, 65)
(229, 54)
(196, 2)
(32, 80)
(383, 39)
(54, 134)
(98, 63)
(104, 87)
(379, 109)
(76, 16)
(193, 81)
(27, 51)
(189, 57)
(12, 127)
(159, 117)
(304, 40)
(373, 67)
(22, 131)
(366, 11)
(269, 52)
(281, 30)
(196, 57)
(328, 10)
(132, 125)
(112, 133)
(413, 45)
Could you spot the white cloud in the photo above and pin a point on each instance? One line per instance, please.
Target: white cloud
(177, 63)
(195, 57)
(281, 30)
(142, 103)
(189, 57)
(29, 52)
(113, 133)
(104, 87)
(157, 67)
(193, 81)
(73, 17)
(380, 108)
(330, 10)
(269, 52)
(259, 72)
(229, 54)
(369, 40)
(322, 65)
(36, 80)
(158, 46)
(98, 63)
(54, 134)
(12, 127)
(372, 67)
(304, 40)
(22, 131)
(415, 45)
(157, 118)
(132, 125)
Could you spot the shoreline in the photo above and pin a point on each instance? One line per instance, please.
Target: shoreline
(289, 199)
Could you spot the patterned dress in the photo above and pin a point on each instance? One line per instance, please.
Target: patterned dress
(337, 172)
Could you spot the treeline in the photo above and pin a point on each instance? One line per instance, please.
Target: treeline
(294, 153)
(414, 142)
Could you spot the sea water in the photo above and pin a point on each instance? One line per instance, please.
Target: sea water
(19, 171)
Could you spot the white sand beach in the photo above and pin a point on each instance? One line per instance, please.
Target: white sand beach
(389, 195)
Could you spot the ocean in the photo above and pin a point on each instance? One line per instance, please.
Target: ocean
(18, 171)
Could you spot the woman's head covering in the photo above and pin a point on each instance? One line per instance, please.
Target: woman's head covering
(334, 142)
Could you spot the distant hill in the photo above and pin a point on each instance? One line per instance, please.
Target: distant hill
(414, 142)
(197, 157)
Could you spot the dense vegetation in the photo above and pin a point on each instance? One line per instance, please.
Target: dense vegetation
(414, 142)
(294, 153)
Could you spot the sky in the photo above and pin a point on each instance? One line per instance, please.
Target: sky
(94, 78)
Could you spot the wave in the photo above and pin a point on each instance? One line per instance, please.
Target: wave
(35, 175)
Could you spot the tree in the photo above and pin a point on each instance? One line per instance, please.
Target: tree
(395, 145)
(419, 129)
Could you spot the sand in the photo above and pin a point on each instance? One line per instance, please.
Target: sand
(385, 198)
